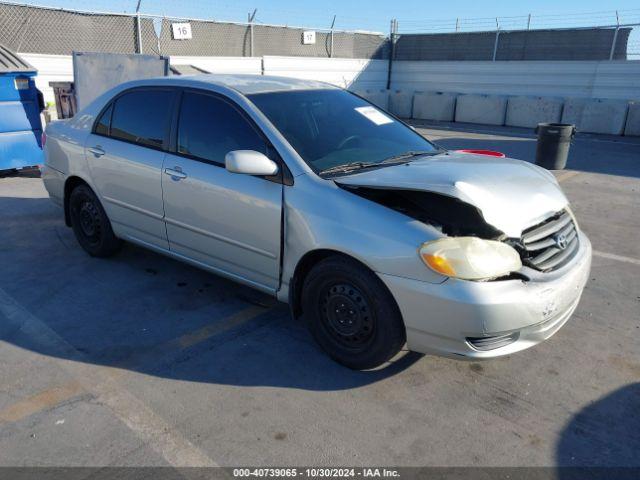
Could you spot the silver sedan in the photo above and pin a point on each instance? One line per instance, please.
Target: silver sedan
(307, 192)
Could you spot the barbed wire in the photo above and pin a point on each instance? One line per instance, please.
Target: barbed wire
(96, 34)
(238, 11)
(529, 21)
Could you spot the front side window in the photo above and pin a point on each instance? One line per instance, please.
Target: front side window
(142, 116)
(210, 127)
(331, 127)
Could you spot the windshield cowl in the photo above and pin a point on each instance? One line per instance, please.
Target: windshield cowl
(354, 167)
(402, 159)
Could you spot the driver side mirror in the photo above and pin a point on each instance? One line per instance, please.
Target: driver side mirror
(250, 162)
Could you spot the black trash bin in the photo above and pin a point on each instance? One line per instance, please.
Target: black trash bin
(553, 144)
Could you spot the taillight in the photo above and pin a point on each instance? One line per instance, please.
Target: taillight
(44, 138)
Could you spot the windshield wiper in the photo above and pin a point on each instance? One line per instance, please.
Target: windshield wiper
(348, 167)
(396, 159)
(410, 154)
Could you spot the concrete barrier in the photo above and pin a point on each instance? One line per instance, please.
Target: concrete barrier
(379, 98)
(530, 111)
(633, 120)
(596, 115)
(401, 103)
(438, 106)
(484, 109)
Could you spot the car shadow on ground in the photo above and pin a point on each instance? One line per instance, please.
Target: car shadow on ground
(604, 434)
(147, 313)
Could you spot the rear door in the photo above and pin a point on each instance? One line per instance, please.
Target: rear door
(125, 153)
(227, 221)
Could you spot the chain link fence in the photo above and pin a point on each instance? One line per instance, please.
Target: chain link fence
(30, 29)
(571, 44)
(42, 30)
(604, 35)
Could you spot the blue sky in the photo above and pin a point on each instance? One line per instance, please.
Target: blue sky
(412, 15)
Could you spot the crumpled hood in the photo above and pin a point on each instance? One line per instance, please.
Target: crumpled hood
(512, 195)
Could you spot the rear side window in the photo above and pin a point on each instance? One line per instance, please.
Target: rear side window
(102, 125)
(209, 128)
(142, 117)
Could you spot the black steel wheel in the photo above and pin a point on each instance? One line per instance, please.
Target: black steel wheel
(90, 223)
(346, 315)
(351, 314)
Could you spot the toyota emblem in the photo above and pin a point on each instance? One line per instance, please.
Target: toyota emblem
(561, 241)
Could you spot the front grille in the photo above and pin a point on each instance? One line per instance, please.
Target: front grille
(551, 244)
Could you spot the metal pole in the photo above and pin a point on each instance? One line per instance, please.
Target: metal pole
(138, 29)
(457, 24)
(529, 22)
(392, 49)
(251, 16)
(332, 25)
(495, 45)
(615, 37)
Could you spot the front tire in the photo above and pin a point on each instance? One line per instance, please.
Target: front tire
(90, 223)
(351, 314)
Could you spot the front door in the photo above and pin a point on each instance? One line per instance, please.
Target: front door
(227, 221)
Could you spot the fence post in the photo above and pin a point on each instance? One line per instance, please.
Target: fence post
(138, 29)
(392, 49)
(251, 17)
(138, 35)
(158, 38)
(333, 23)
(495, 45)
(615, 37)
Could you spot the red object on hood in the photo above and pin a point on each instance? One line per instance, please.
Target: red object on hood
(491, 153)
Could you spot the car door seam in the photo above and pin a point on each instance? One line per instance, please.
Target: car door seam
(220, 238)
(122, 204)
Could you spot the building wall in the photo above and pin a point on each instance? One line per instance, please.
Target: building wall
(51, 68)
(588, 79)
(356, 74)
(343, 72)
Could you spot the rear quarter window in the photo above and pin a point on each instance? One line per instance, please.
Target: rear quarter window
(104, 122)
(142, 117)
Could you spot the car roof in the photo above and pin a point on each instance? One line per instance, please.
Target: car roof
(244, 83)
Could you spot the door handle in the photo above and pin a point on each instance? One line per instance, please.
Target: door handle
(175, 173)
(97, 151)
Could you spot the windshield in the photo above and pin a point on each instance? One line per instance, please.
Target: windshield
(331, 127)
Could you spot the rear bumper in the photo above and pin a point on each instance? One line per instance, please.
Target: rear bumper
(440, 318)
(54, 183)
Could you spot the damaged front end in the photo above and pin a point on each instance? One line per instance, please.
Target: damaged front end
(481, 198)
(544, 247)
(462, 226)
(449, 215)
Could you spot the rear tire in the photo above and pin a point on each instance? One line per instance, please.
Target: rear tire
(351, 314)
(90, 223)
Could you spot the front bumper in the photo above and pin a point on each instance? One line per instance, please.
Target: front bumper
(439, 318)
